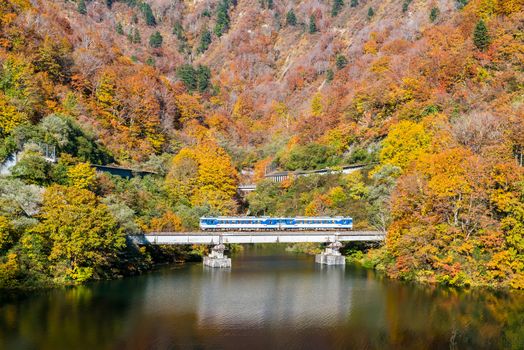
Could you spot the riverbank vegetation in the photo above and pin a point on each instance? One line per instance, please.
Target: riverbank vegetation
(428, 95)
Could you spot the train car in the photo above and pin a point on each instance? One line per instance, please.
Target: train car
(247, 223)
(320, 223)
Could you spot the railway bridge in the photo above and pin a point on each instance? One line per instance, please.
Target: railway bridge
(331, 255)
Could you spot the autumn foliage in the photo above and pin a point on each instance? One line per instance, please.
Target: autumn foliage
(433, 106)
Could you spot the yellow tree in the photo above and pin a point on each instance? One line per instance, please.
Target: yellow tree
(203, 175)
(83, 235)
(10, 117)
(181, 181)
(6, 229)
(217, 178)
(406, 142)
(82, 175)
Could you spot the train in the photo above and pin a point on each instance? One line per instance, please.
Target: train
(266, 223)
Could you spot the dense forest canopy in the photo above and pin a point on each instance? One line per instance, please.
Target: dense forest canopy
(428, 93)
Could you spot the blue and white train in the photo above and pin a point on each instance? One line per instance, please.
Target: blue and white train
(252, 223)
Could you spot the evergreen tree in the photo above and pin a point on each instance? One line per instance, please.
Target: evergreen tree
(148, 14)
(194, 79)
(341, 61)
(155, 40)
(291, 19)
(481, 37)
(186, 73)
(178, 30)
(371, 12)
(354, 3)
(405, 5)
(270, 4)
(82, 9)
(109, 4)
(223, 20)
(337, 6)
(330, 75)
(203, 74)
(434, 14)
(462, 3)
(312, 25)
(150, 61)
(205, 41)
(119, 28)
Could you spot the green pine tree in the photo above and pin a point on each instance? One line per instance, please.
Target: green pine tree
(223, 20)
(405, 5)
(312, 25)
(150, 61)
(203, 74)
(155, 40)
(178, 30)
(188, 75)
(481, 37)
(148, 14)
(82, 8)
(330, 75)
(462, 3)
(434, 14)
(354, 3)
(337, 7)
(119, 28)
(341, 61)
(109, 4)
(291, 19)
(371, 12)
(205, 41)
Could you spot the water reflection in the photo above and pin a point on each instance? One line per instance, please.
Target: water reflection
(230, 299)
(269, 299)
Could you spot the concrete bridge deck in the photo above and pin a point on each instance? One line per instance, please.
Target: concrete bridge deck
(225, 237)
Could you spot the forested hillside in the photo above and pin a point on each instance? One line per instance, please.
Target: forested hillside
(428, 93)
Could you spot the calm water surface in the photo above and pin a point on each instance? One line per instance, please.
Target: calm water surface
(270, 299)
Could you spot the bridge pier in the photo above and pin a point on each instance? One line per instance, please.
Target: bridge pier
(331, 255)
(217, 258)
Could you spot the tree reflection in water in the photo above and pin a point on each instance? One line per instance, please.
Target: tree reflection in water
(269, 299)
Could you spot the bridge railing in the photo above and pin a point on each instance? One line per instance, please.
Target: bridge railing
(258, 237)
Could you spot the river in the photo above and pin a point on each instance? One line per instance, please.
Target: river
(270, 299)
